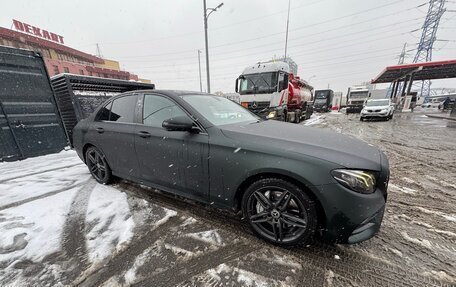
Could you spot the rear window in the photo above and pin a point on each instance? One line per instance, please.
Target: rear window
(120, 110)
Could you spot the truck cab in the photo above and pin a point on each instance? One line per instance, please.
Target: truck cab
(356, 97)
(323, 100)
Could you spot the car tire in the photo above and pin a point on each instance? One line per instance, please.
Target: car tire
(279, 212)
(298, 115)
(361, 119)
(98, 166)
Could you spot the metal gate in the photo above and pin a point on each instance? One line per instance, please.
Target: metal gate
(29, 120)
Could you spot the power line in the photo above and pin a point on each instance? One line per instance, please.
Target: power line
(307, 52)
(280, 33)
(291, 47)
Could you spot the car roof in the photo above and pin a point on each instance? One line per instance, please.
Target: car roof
(170, 92)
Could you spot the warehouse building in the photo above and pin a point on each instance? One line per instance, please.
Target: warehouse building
(60, 58)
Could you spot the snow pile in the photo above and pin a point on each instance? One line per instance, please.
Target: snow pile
(314, 120)
(209, 236)
(110, 222)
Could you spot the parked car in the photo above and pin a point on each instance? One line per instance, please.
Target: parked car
(291, 182)
(378, 108)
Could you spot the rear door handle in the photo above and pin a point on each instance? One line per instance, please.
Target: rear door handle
(100, 130)
(144, 134)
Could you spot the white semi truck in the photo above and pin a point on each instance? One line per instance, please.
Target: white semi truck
(272, 91)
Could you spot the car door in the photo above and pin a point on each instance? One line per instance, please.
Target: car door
(177, 160)
(114, 132)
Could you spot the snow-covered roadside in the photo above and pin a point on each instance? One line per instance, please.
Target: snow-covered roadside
(314, 120)
(44, 200)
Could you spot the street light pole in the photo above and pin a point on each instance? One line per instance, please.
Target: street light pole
(199, 66)
(206, 16)
(207, 50)
(286, 38)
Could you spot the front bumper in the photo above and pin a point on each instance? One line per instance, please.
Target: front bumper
(350, 217)
(354, 109)
(374, 115)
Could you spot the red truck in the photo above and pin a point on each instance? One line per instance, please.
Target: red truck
(272, 91)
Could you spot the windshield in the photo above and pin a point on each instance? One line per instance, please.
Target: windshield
(321, 95)
(258, 83)
(377, 103)
(219, 110)
(358, 95)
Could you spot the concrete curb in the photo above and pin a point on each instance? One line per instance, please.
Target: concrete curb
(441, 117)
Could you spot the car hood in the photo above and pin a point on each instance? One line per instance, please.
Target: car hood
(281, 137)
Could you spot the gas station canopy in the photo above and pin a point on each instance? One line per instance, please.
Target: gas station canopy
(420, 71)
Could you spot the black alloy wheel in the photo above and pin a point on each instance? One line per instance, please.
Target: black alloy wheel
(98, 167)
(279, 212)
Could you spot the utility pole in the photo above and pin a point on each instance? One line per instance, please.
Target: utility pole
(199, 66)
(286, 38)
(428, 37)
(206, 16)
(99, 55)
(401, 61)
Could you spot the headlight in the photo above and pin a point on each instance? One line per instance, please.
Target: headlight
(271, 115)
(356, 180)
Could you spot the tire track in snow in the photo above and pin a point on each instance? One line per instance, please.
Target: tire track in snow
(186, 270)
(51, 193)
(39, 172)
(122, 261)
(73, 237)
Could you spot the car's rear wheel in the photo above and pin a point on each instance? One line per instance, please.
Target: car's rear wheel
(279, 211)
(98, 167)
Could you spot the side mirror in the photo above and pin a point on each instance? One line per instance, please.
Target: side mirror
(236, 88)
(181, 123)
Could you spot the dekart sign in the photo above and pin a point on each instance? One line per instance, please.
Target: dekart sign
(35, 31)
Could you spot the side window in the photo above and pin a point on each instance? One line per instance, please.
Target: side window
(123, 109)
(158, 109)
(282, 82)
(103, 114)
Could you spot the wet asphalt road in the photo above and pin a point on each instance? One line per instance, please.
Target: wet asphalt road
(201, 246)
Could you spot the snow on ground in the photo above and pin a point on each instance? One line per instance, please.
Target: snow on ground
(33, 230)
(110, 222)
(43, 198)
(209, 236)
(314, 120)
(38, 164)
(21, 188)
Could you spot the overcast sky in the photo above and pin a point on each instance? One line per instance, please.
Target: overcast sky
(335, 43)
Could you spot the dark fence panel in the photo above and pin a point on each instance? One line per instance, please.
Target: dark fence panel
(29, 117)
(78, 96)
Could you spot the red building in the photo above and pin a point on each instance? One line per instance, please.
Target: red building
(60, 58)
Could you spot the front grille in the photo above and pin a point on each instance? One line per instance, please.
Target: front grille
(377, 111)
(258, 107)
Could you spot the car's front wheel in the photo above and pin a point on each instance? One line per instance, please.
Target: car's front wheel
(279, 211)
(98, 167)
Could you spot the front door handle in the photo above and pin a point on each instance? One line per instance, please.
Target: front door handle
(100, 130)
(144, 134)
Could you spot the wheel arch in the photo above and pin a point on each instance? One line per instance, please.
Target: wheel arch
(86, 146)
(276, 174)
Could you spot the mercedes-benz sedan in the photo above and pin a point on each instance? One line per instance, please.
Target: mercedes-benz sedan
(291, 182)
